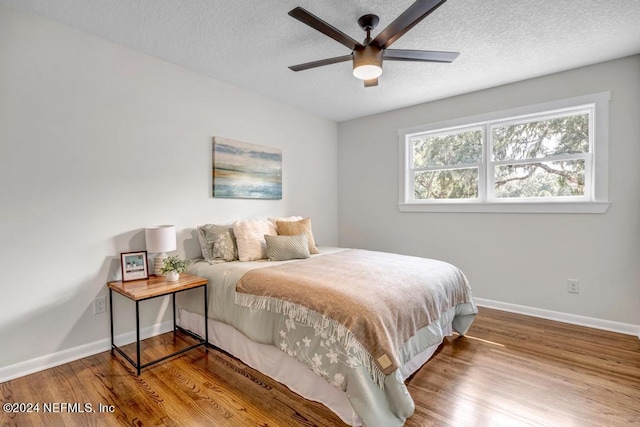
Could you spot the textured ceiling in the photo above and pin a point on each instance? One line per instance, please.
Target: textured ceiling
(250, 43)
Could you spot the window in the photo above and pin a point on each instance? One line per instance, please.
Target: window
(544, 158)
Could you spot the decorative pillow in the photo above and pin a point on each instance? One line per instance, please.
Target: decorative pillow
(292, 228)
(250, 238)
(275, 220)
(217, 243)
(283, 248)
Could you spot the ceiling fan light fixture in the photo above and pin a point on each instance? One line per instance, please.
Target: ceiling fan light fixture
(367, 63)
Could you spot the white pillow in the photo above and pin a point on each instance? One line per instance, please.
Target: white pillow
(250, 238)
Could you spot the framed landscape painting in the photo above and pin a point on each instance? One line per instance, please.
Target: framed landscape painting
(246, 171)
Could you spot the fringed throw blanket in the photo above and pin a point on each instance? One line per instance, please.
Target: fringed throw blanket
(372, 302)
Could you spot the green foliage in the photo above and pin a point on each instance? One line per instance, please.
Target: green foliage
(537, 140)
(541, 179)
(447, 184)
(535, 143)
(544, 138)
(448, 150)
(174, 263)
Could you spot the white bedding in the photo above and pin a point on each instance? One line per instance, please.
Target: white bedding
(253, 338)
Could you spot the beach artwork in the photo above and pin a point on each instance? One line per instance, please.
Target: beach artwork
(246, 171)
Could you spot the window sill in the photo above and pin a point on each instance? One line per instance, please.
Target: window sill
(509, 207)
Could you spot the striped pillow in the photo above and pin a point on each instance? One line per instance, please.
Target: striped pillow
(283, 248)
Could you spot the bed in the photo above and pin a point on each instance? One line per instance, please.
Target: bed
(321, 359)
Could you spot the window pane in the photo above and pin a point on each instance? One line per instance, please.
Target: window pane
(447, 184)
(447, 150)
(537, 139)
(544, 179)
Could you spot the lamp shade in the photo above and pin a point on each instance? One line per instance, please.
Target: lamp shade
(367, 63)
(160, 238)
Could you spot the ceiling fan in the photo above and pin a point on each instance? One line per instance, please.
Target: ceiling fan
(367, 56)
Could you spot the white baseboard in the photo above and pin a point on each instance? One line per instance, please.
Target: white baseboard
(574, 319)
(31, 366)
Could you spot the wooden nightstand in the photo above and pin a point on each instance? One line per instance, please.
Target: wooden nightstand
(157, 286)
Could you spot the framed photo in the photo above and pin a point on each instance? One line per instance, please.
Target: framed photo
(134, 266)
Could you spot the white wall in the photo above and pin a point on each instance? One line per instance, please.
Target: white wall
(522, 259)
(98, 142)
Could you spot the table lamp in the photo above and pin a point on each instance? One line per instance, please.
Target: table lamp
(160, 239)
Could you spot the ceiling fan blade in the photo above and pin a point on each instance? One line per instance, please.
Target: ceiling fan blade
(371, 82)
(320, 63)
(406, 21)
(313, 21)
(419, 55)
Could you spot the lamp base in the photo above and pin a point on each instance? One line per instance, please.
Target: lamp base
(158, 263)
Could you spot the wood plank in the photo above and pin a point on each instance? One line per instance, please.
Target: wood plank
(155, 286)
(509, 370)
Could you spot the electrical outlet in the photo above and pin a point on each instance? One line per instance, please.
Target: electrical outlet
(100, 305)
(573, 286)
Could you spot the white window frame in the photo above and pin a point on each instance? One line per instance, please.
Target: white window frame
(595, 200)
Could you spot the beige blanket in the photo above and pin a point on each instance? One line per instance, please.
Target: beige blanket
(372, 301)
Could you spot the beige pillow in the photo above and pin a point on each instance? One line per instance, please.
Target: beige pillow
(275, 220)
(293, 228)
(250, 238)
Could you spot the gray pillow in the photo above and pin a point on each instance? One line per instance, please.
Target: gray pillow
(217, 243)
(282, 248)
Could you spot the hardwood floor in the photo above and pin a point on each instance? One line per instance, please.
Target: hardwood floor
(509, 370)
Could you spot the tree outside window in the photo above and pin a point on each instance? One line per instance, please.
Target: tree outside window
(541, 157)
